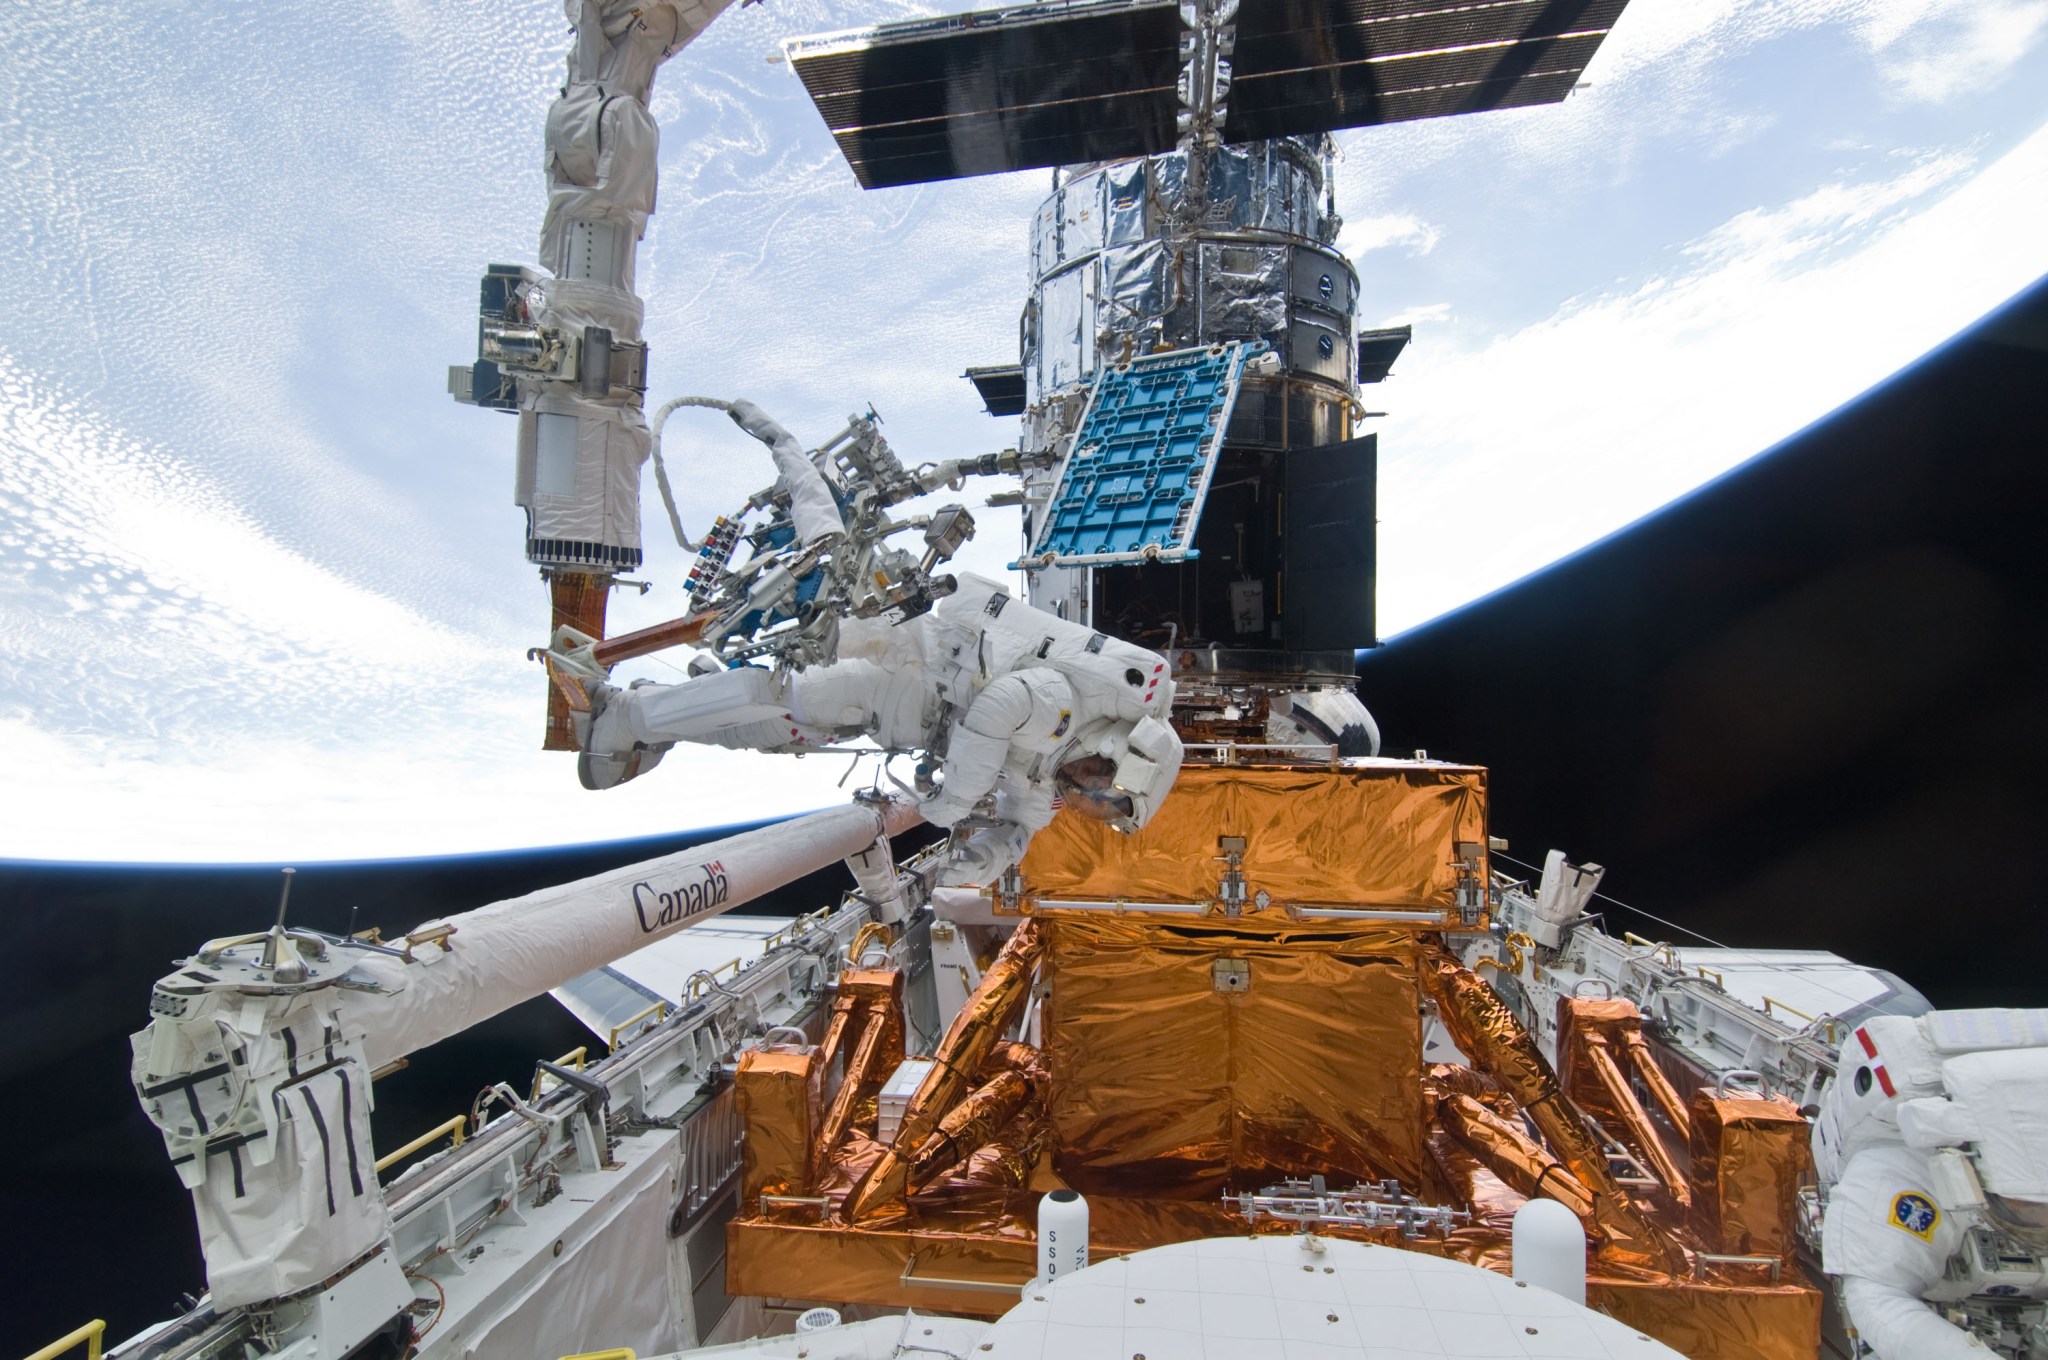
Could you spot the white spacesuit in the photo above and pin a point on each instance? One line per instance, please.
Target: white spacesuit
(1932, 1149)
(1022, 707)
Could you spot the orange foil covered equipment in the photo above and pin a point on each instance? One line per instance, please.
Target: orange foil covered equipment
(780, 1092)
(1166, 1083)
(1373, 835)
(1749, 1154)
(1717, 1322)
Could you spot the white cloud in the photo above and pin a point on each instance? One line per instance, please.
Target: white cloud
(1413, 235)
(1766, 238)
(1523, 449)
(1964, 45)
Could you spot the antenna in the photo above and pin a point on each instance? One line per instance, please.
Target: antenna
(274, 942)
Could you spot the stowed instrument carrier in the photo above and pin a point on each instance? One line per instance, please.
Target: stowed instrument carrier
(1250, 1018)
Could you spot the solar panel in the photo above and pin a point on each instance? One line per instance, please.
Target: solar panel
(1015, 89)
(1304, 66)
(1132, 484)
(1065, 84)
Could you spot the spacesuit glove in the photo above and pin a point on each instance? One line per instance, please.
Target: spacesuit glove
(979, 854)
(940, 809)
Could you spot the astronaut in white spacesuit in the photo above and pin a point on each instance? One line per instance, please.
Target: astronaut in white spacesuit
(1932, 1149)
(1021, 707)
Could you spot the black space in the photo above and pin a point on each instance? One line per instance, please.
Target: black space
(1801, 707)
(1804, 705)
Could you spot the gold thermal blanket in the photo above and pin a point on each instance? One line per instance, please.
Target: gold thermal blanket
(1163, 1085)
(1374, 836)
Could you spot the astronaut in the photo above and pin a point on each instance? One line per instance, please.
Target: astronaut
(1017, 707)
(1932, 1148)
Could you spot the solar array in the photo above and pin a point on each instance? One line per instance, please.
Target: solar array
(1067, 84)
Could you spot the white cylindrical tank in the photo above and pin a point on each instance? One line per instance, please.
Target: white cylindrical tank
(1550, 1249)
(1062, 1235)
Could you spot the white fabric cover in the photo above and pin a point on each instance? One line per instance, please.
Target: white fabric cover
(616, 1284)
(265, 1109)
(1974, 1031)
(2006, 1095)
(602, 159)
(279, 1229)
(1931, 1122)
(603, 502)
(514, 950)
(811, 506)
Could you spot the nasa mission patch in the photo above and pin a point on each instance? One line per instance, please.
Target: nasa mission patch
(1915, 1213)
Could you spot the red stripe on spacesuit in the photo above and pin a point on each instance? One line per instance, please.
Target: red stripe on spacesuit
(1884, 1079)
(1869, 1049)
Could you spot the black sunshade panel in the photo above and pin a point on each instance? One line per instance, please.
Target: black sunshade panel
(1007, 91)
(1300, 103)
(1037, 86)
(1278, 35)
(1016, 139)
(883, 78)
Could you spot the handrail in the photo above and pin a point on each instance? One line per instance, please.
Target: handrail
(910, 1280)
(867, 932)
(1659, 950)
(90, 1334)
(621, 1353)
(1774, 1264)
(1770, 1001)
(659, 1010)
(573, 1058)
(458, 1127)
(693, 989)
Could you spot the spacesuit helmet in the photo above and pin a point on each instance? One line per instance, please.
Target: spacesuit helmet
(1885, 1062)
(1119, 772)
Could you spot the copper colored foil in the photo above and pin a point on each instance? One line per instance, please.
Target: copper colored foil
(1164, 1085)
(1483, 1027)
(1595, 1038)
(780, 1093)
(836, 1264)
(579, 599)
(1717, 1322)
(1749, 1154)
(974, 1034)
(1512, 1155)
(1382, 836)
(970, 1124)
(874, 998)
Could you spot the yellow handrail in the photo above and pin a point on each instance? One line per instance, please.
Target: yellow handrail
(90, 1334)
(872, 930)
(1790, 1010)
(622, 1353)
(659, 1010)
(458, 1127)
(574, 1057)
